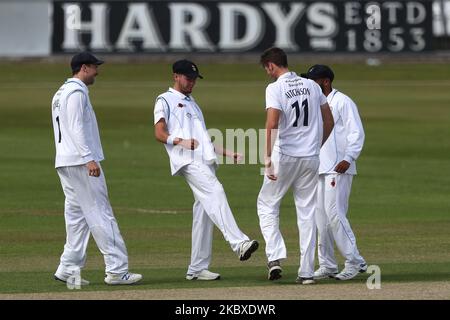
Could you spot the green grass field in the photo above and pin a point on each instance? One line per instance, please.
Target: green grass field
(399, 208)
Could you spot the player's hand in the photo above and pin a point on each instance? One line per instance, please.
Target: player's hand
(190, 144)
(342, 167)
(237, 157)
(93, 168)
(270, 173)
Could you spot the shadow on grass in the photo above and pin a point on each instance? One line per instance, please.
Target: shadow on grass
(245, 276)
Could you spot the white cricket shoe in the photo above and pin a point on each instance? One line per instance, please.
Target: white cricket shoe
(125, 278)
(351, 271)
(64, 278)
(324, 272)
(305, 281)
(203, 275)
(247, 248)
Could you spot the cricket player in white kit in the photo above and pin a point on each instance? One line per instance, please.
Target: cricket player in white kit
(78, 155)
(180, 125)
(337, 168)
(297, 109)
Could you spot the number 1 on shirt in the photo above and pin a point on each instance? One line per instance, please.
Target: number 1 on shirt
(59, 130)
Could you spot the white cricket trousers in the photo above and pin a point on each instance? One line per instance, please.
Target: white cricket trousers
(210, 208)
(301, 174)
(87, 210)
(332, 223)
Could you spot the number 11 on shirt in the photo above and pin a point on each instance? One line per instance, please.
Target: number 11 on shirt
(297, 112)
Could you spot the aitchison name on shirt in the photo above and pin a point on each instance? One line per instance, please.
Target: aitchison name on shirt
(297, 92)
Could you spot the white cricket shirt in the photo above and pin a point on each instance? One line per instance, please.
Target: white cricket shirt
(77, 139)
(347, 138)
(300, 128)
(184, 119)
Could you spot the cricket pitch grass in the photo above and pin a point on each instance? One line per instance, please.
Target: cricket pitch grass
(399, 206)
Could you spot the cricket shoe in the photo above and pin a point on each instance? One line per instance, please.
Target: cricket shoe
(324, 272)
(351, 271)
(71, 279)
(274, 270)
(247, 248)
(120, 279)
(305, 281)
(362, 267)
(203, 275)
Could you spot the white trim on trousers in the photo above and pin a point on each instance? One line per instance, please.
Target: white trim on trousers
(301, 174)
(210, 208)
(87, 210)
(332, 223)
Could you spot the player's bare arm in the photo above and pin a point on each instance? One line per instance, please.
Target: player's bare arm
(237, 157)
(273, 116)
(162, 134)
(328, 121)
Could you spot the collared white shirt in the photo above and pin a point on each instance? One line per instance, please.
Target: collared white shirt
(300, 128)
(184, 119)
(347, 138)
(77, 138)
